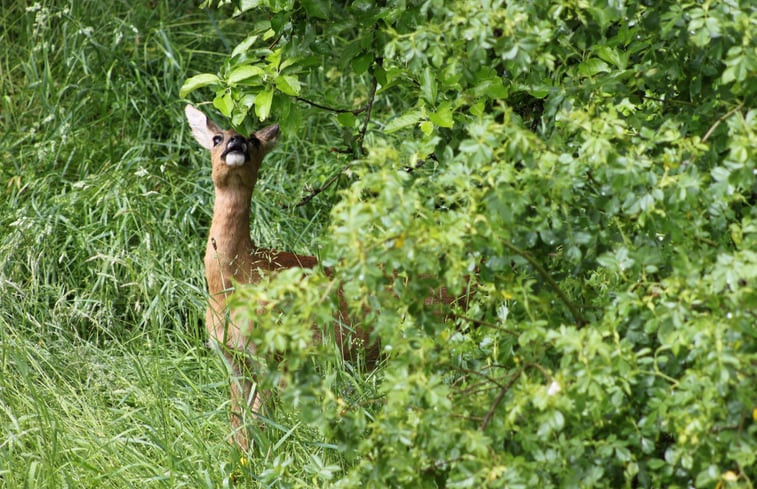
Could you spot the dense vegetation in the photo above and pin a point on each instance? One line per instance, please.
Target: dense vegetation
(582, 172)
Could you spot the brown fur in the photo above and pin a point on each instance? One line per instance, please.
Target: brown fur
(231, 256)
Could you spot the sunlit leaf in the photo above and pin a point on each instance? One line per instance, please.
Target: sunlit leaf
(198, 81)
(244, 72)
(263, 102)
(405, 120)
(288, 84)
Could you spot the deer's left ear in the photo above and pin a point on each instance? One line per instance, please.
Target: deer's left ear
(268, 136)
(203, 129)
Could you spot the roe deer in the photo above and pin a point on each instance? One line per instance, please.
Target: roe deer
(231, 256)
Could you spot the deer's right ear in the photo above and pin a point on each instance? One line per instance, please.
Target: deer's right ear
(203, 129)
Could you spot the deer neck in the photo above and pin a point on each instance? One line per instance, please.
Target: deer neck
(229, 249)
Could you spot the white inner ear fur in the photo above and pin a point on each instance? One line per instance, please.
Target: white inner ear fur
(199, 124)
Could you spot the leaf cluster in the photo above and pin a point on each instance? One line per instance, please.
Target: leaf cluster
(582, 174)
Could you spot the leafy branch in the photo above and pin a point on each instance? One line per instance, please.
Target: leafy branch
(577, 316)
(498, 399)
(720, 120)
(313, 193)
(371, 97)
(336, 110)
(357, 140)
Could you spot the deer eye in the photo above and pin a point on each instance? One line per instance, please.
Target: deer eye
(217, 140)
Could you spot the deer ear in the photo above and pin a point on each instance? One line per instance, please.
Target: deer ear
(203, 129)
(268, 136)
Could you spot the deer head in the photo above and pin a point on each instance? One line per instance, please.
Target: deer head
(235, 158)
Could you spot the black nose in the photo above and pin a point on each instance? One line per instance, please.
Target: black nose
(236, 139)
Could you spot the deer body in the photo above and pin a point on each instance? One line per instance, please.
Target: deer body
(231, 257)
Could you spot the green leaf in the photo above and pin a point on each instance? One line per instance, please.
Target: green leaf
(274, 60)
(361, 63)
(247, 101)
(427, 127)
(380, 73)
(245, 5)
(263, 102)
(224, 103)
(239, 113)
(244, 46)
(317, 8)
(244, 72)
(288, 84)
(612, 56)
(405, 120)
(443, 116)
(477, 109)
(347, 119)
(428, 86)
(492, 87)
(198, 81)
(289, 62)
(592, 66)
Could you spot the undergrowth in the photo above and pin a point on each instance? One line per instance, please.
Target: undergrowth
(105, 380)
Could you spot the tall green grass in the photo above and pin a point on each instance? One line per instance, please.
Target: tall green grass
(105, 202)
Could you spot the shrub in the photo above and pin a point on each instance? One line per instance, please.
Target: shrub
(583, 171)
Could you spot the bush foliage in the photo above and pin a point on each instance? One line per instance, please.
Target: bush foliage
(583, 172)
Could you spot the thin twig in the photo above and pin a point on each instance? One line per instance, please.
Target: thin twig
(577, 316)
(480, 374)
(668, 101)
(357, 111)
(411, 169)
(475, 390)
(367, 108)
(323, 187)
(721, 119)
(371, 97)
(541, 369)
(499, 398)
(487, 324)
(441, 463)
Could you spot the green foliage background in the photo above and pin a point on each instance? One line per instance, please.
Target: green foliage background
(583, 172)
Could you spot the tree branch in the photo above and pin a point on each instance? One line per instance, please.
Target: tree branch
(498, 400)
(479, 322)
(323, 187)
(721, 119)
(480, 374)
(367, 108)
(357, 111)
(667, 101)
(431, 157)
(577, 316)
(371, 97)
